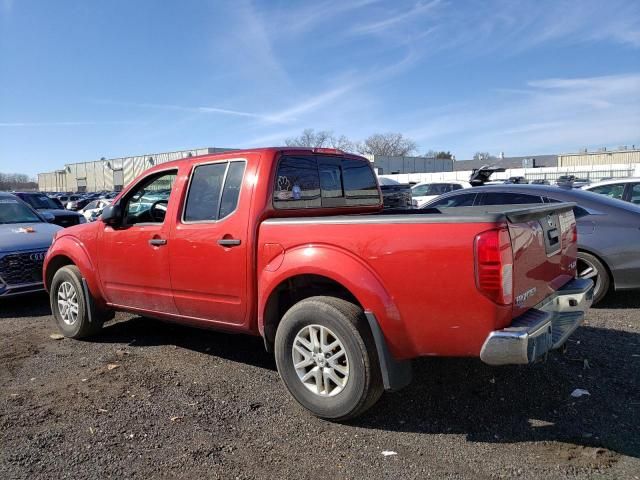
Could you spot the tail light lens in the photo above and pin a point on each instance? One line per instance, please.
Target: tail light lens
(494, 265)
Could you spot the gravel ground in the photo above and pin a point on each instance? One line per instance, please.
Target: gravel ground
(191, 404)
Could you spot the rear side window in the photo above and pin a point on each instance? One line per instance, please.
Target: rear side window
(635, 194)
(314, 182)
(611, 191)
(506, 198)
(213, 191)
(463, 200)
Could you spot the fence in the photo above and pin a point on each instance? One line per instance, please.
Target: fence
(593, 173)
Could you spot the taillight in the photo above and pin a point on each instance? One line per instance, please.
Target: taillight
(494, 265)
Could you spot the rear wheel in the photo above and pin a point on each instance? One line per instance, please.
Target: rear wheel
(589, 266)
(327, 359)
(70, 307)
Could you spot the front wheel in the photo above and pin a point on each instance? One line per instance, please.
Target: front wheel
(327, 359)
(70, 307)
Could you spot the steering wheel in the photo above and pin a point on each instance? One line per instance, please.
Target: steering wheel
(157, 212)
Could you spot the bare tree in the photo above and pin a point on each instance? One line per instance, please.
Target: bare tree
(310, 138)
(387, 144)
(322, 138)
(482, 156)
(16, 181)
(342, 143)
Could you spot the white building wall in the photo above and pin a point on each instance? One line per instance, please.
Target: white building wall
(592, 172)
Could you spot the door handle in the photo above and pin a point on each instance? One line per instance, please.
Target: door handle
(157, 242)
(229, 242)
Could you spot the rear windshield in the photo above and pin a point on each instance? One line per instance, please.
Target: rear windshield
(315, 181)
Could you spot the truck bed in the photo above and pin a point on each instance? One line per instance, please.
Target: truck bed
(425, 262)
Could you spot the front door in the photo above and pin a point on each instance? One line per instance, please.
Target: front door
(209, 249)
(133, 259)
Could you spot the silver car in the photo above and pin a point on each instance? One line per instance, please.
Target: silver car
(608, 229)
(25, 237)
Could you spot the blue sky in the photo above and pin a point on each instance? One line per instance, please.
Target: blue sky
(84, 79)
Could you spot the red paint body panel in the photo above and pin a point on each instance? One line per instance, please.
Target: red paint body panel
(418, 278)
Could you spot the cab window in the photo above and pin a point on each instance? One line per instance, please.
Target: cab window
(148, 201)
(324, 181)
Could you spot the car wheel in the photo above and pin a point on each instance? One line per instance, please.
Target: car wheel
(591, 267)
(326, 357)
(70, 307)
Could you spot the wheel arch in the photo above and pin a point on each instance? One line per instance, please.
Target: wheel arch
(327, 270)
(69, 251)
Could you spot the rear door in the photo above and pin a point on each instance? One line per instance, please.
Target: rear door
(209, 250)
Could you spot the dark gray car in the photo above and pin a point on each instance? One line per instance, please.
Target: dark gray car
(25, 237)
(608, 229)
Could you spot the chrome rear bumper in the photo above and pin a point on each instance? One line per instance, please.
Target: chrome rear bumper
(542, 328)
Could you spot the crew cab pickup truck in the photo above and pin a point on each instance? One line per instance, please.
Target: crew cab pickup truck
(293, 245)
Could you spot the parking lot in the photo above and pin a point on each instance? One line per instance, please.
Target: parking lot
(148, 400)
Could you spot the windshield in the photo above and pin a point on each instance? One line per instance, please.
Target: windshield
(40, 201)
(14, 211)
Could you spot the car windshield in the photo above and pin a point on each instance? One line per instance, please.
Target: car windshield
(14, 211)
(40, 202)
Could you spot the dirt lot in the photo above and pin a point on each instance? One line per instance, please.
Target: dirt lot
(192, 404)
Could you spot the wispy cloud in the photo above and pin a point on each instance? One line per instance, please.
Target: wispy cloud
(550, 115)
(66, 124)
(305, 105)
(183, 108)
(396, 19)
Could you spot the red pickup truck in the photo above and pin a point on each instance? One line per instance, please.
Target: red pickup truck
(293, 245)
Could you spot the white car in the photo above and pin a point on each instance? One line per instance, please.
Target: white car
(627, 189)
(422, 193)
(94, 209)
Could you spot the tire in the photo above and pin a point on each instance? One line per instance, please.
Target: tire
(66, 291)
(335, 396)
(589, 266)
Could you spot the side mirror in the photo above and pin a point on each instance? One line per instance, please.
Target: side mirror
(49, 217)
(112, 215)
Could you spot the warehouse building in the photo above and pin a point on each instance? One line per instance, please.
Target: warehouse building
(386, 165)
(529, 161)
(623, 155)
(110, 174)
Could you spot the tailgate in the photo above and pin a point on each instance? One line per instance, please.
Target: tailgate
(544, 243)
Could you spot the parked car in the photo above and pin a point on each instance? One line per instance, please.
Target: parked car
(77, 204)
(25, 236)
(395, 194)
(608, 230)
(43, 203)
(627, 189)
(516, 180)
(423, 192)
(260, 242)
(94, 209)
(539, 181)
(571, 181)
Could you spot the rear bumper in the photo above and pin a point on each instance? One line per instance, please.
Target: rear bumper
(542, 328)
